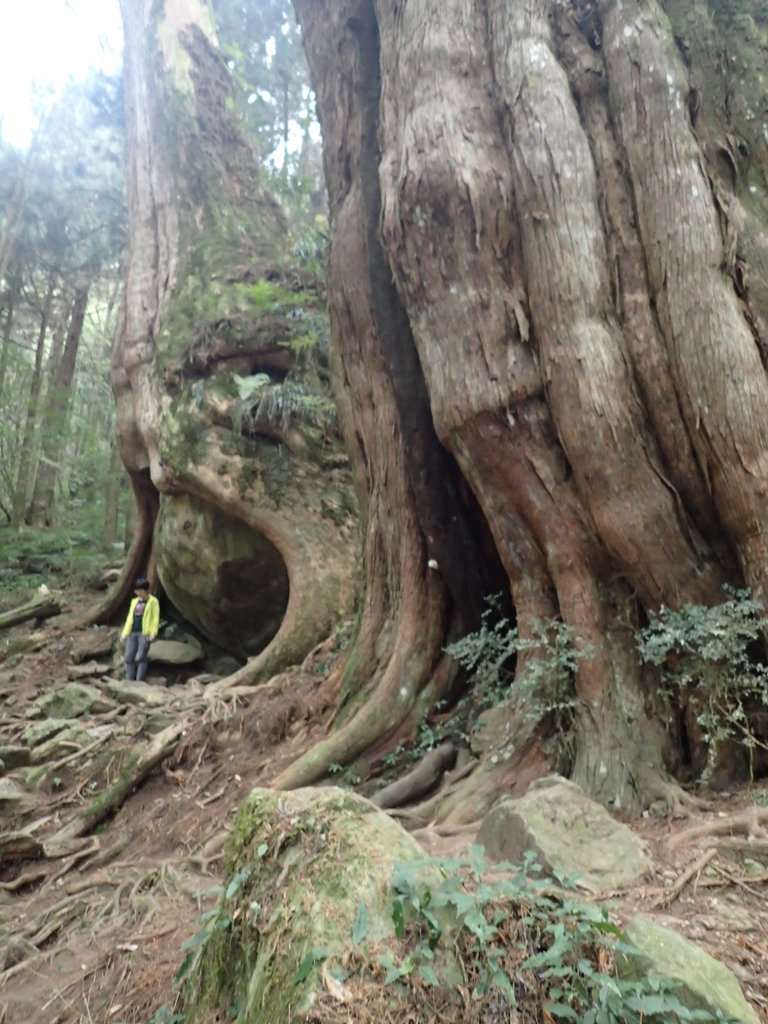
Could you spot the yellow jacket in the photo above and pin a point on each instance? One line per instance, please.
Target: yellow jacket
(150, 620)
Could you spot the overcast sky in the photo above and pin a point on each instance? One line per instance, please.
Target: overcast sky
(46, 42)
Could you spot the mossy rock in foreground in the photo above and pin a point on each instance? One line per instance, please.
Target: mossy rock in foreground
(698, 980)
(303, 871)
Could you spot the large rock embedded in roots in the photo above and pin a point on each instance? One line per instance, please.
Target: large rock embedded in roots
(226, 579)
(299, 868)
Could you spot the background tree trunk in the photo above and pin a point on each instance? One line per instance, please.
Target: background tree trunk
(40, 512)
(204, 252)
(541, 182)
(21, 494)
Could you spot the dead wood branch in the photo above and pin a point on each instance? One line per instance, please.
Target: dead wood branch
(420, 780)
(740, 881)
(39, 608)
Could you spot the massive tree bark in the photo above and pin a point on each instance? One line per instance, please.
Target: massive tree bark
(545, 218)
(209, 304)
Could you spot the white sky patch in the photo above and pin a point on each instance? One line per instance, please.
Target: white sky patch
(43, 43)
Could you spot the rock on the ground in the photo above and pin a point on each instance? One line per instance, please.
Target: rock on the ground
(13, 799)
(13, 757)
(63, 743)
(700, 981)
(39, 732)
(223, 665)
(93, 644)
(138, 694)
(568, 833)
(299, 868)
(174, 652)
(73, 701)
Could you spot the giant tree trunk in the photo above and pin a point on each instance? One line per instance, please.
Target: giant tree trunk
(555, 191)
(231, 498)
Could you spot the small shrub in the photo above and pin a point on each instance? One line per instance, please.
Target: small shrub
(704, 655)
(545, 686)
(517, 940)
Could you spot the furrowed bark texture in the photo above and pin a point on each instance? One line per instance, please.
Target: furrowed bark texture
(249, 515)
(568, 259)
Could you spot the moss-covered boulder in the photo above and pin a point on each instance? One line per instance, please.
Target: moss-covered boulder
(225, 578)
(698, 980)
(567, 833)
(304, 871)
(39, 732)
(73, 701)
(68, 741)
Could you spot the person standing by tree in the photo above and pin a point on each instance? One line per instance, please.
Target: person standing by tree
(140, 630)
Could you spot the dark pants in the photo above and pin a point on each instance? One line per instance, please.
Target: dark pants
(136, 653)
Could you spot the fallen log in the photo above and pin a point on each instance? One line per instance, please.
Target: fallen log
(419, 780)
(136, 767)
(39, 608)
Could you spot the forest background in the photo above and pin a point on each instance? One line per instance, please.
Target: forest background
(65, 503)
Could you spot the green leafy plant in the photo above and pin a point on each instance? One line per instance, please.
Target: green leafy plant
(166, 1016)
(706, 657)
(261, 398)
(348, 776)
(536, 670)
(519, 937)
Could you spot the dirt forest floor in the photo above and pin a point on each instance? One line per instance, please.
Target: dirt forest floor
(92, 921)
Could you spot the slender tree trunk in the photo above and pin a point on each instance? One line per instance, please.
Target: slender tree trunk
(10, 311)
(112, 497)
(21, 492)
(40, 512)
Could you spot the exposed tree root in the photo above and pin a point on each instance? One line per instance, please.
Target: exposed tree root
(750, 847)
(419, 780)
(138, 764)
(669, 895)
(749, 821)
(424, 813)
(114, 603)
